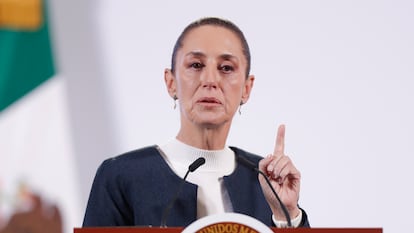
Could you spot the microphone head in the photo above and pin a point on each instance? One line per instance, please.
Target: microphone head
(196, 164)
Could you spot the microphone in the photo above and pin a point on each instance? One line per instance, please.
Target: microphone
(253, 166)
(193, 166)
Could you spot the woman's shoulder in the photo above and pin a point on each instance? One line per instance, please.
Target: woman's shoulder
(255, 158)
(141, 157)
(139, 153)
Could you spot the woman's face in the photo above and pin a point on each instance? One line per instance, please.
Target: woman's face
(210, 79)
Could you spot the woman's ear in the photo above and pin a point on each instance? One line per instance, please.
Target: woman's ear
(169, 80)
(247, 89)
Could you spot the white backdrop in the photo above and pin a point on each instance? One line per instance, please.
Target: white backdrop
(339, 74)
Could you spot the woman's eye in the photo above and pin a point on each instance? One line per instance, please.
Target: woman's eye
(196, 65)
(226, 68)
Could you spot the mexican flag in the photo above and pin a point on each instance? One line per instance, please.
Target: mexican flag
(35, 145)
(26, 59)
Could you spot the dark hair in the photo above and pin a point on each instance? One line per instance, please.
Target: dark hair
(214, 22)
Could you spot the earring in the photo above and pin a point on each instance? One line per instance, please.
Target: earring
(175, 101)
(241, 103)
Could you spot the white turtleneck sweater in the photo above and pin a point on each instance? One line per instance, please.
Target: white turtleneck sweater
(208, 177)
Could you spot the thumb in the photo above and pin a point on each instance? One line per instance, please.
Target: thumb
(263, 163)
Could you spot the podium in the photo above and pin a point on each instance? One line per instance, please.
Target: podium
(180, 229)
(224, 223)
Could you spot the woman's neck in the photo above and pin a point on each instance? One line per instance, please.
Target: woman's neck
(204, 138)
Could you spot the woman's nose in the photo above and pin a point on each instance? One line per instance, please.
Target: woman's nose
(210, 78)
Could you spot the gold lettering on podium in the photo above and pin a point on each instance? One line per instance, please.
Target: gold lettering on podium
(227, 228)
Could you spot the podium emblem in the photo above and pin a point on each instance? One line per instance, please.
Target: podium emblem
(227, 223)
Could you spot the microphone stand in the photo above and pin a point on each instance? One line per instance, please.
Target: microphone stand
(193, 166)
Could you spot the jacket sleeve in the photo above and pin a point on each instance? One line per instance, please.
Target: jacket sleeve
(106, 205)
(305, 221)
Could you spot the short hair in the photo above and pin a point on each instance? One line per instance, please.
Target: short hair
(213, 21)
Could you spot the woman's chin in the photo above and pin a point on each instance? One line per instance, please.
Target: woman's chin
(212, 122)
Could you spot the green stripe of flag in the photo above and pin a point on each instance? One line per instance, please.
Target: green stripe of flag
(26, 60)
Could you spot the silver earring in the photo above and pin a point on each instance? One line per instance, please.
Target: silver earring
(241, 103)
(175, 101)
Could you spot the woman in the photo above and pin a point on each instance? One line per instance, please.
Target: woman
(210, 78)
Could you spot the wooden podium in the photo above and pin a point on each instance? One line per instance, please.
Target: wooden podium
(223, 223)
(180, 229)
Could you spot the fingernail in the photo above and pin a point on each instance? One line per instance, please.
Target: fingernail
(270, 168)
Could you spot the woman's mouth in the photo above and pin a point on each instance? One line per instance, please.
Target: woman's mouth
(209, 101)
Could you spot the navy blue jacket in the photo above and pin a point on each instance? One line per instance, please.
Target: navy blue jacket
(133, 189)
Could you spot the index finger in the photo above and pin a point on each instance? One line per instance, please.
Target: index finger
(280, 140)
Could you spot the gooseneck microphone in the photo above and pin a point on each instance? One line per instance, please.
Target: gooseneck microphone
(193, 166)
(253, 166)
